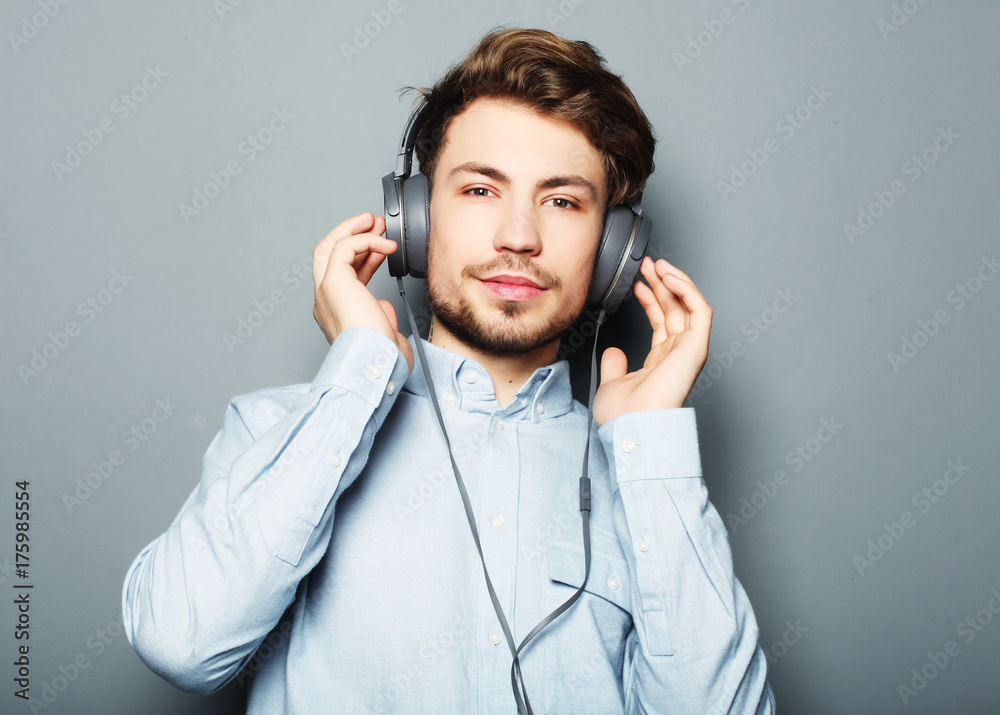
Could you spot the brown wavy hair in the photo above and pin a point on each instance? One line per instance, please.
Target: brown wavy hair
(558, 78)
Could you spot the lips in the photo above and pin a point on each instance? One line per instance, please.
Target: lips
(511, 287)
(513, 280)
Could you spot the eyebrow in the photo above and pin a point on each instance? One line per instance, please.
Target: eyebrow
(553, 182)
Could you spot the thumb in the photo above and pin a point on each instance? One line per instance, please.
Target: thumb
(390, 313)
(614, 364)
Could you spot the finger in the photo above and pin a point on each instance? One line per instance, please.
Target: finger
(614, 364)
(673, 269)
(664, 269)
(654, 312)
(354, 251)
(349, 227)
(674, 314)
(370, 265)
(698, 310)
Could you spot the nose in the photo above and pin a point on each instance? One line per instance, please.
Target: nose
(518, 232)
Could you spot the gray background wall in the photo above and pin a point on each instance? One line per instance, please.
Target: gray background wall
(852, 595)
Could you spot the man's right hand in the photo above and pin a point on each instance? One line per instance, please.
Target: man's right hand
(343, 263)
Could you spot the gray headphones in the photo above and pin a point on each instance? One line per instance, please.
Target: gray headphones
(407, 223)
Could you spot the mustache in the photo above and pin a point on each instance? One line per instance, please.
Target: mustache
(512, 263)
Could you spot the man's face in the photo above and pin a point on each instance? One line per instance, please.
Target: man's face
(520, 195)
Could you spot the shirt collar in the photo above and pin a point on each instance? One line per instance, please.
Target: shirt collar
(464, 383)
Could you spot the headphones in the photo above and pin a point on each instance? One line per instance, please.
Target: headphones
(624, 238)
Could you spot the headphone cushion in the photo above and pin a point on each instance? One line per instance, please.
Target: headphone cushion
(417, 222)
(614, 239)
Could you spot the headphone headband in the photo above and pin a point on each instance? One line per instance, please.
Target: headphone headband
(404, 158)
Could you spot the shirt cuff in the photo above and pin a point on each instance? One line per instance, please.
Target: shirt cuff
(652, 444)
(364, 362)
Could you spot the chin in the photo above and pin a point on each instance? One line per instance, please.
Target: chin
(503, 328)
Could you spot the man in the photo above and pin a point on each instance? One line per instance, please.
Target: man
(327, 534)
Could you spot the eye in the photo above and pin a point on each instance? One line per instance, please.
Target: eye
(563, 203)
(480, 191)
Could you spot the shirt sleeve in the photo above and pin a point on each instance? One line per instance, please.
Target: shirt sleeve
(199, 599)
(694, 643)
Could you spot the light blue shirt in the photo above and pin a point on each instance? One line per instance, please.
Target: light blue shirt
(328, 535)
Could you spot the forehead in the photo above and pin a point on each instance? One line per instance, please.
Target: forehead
(518, 140)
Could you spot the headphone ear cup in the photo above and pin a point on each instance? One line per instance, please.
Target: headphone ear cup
(623, 244)
(416, 223)
(394, 224)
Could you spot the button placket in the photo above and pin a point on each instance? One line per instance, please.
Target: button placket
(498, 511)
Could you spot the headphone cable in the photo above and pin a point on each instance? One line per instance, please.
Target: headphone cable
(516, 678)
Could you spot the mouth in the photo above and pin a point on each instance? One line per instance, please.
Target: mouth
(510, 287)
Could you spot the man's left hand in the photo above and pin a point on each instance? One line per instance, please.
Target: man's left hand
(681, 320)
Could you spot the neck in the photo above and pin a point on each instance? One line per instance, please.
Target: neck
(508, 372)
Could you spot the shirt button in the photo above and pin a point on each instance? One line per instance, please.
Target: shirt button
(500, 424)
(373, 372)
(471, 377)
(336, 461)
(390, 387)
(643, 545)
(449, 398)
(497, 521)
(540, 408)
(495, 637)
(612, 583)
(628, 445)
